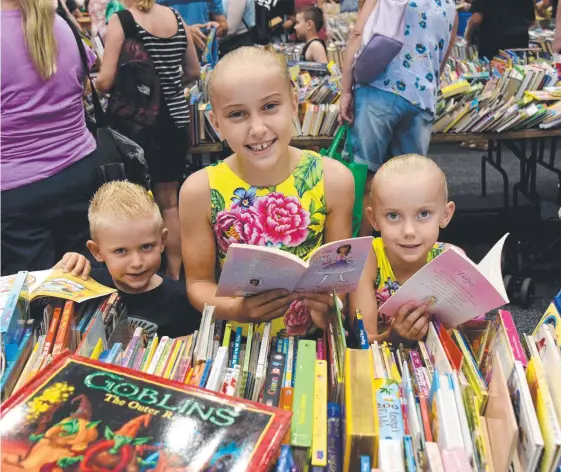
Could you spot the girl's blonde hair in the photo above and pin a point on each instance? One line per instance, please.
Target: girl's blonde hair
(38, 21)
(262, 55)
(409, 164)
(144, 5)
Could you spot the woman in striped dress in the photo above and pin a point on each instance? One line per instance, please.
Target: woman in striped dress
(168, 41)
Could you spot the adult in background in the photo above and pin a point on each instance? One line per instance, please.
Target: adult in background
(394, 114)
(200, 15)
(241, 24)
(502, 24)
(48, 167)
(166, 38)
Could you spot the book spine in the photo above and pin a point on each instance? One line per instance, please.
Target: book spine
(172, 358)
(158, 355)
(139, 357)
(319, 438)
(206, 372)
(51, 334)
(423, 393)
(152, 346)
(514, 340)
(64, 329)
(162, 362)
(237, 346)
(130, 353)
(286, 399)
(273, 383)
(115, 350)
(289, 362)
(334, 437)
(177, 363)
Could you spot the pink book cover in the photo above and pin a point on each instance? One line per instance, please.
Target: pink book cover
(249, 270)
(512, 335)
(454, 288)
(455, 460)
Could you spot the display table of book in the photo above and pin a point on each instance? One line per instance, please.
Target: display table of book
(476, 397)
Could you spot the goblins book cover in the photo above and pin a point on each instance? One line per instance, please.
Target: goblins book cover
(81, 415)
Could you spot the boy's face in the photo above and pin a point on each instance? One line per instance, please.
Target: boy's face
(301, 27)
(131, 251)
(252, 109)
(409, 212)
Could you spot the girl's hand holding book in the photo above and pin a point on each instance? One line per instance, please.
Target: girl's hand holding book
(320, 307)
(266, 306)
(410, 323)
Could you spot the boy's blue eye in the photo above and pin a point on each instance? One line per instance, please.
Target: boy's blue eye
(424, 214)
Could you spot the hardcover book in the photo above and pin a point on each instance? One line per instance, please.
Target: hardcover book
(83, 415)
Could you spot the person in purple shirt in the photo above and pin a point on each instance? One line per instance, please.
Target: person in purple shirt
(49, 164)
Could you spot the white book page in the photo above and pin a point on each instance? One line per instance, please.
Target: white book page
(490, 267)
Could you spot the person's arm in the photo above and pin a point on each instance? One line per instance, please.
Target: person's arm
(353, 43)
(190, 64)
(476, 18)
(199, 258)
(217, 14)
(339, 187)
(450, 44)
(557, 40)
(235, 14)
(317, 52)
(114, 39)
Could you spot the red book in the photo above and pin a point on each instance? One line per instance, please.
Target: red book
(84, 415)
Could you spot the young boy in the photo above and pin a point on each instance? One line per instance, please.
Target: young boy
(309, 21)
(409, 206)
(128, 235)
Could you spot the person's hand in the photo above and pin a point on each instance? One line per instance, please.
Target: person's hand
(198, 37)
(346, 108)
(76, 264)
(410, 323)
(320, 305)
(266, 306)
(288, 24)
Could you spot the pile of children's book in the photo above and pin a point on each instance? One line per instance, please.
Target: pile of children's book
(516, 90)
(473, 398)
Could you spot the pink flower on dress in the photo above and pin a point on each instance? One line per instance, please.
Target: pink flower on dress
(240, 225)
(283, 219)
(297, 319)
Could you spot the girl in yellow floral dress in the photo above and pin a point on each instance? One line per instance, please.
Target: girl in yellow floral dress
(409, 206)
(266, 193)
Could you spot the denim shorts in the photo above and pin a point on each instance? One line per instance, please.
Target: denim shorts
(387, 125)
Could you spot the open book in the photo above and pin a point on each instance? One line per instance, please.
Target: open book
(455, 288)
(56, 283)
(249, 270)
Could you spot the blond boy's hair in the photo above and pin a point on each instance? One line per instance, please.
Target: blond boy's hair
(262, 55)
(120, 201)
(409, 164)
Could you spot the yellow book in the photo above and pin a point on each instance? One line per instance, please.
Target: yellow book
(163, 358)
(551, 316)
(188, 376)
(319, 438)
(361, 415)
(151, 351)
(29, 364)
(227, 333)
(173, 358)
(98, 349)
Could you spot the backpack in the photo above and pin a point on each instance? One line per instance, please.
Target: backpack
(136, 96)
(382, 39)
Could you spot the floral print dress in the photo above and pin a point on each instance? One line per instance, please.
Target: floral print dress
(386, 283)
(290, 216)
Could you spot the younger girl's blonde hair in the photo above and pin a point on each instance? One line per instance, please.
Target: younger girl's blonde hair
(144, 5)
(255, 54)
(38, 21)
(409, 164)
(117, 202)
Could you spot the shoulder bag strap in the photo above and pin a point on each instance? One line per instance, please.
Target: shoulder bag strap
(128, 23)
(98, 109)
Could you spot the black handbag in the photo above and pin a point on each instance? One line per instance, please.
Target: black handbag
(120, 157)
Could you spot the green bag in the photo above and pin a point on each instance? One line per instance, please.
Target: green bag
(359, 171)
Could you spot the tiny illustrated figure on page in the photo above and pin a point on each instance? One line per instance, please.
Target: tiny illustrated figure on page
(342, 266)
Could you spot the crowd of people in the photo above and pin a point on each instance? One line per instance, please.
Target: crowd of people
(267, 193)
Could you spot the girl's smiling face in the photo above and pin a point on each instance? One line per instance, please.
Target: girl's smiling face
(253, 107)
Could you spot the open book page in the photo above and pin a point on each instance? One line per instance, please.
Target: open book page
(336, 266)
(61, 284)
(490, 266)
(249, 270)
(452, 286)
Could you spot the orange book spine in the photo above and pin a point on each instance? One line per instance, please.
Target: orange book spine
(51, 334)
(286, 399)
(63, 335)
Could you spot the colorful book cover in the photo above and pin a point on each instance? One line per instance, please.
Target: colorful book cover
(82, 415)
(334, 266)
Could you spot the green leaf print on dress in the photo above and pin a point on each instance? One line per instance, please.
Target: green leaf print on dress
(308, 174)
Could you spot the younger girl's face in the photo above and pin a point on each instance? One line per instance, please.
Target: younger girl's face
(409, 213)
(252, 109)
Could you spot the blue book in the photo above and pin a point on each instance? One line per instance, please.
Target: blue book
(365, 464)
